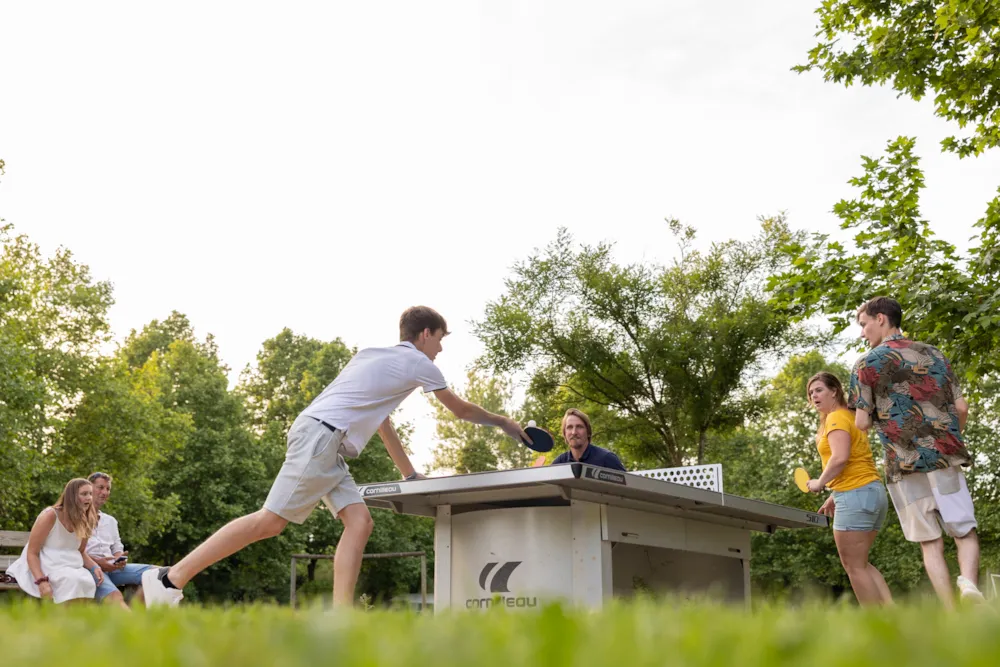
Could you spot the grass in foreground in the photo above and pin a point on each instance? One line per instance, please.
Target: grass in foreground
(632, 635)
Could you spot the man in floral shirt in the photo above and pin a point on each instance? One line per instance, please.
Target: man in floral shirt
(909, 392)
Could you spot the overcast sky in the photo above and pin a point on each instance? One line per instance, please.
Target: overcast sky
(324, 165)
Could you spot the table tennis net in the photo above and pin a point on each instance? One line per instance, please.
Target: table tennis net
(708, 477)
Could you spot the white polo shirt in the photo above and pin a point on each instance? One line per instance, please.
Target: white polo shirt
(370, 387)
(105, 541)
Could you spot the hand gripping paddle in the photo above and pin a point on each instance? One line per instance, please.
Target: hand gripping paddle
(541, 440)
(801, 477)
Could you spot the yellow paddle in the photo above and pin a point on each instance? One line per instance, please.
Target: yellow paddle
(801, 477)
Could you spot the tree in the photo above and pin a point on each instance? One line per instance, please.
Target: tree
(667, 351)
(53, 319)
(465, 447)
(950, 301)
(120, 427)
(983, 476)
(950, 48)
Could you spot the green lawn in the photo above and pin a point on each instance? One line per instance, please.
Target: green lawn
(626, 635)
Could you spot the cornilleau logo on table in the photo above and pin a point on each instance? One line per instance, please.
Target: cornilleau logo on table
(499, 584)
(499, 581)
(604, 475)
(380, 490)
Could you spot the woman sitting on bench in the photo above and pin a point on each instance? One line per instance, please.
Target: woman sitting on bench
(52, 563)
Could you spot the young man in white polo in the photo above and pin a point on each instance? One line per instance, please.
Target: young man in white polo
(338, 424)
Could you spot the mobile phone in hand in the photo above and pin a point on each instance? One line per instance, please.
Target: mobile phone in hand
(120, 559)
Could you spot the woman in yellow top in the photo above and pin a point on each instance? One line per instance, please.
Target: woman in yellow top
(858, 503)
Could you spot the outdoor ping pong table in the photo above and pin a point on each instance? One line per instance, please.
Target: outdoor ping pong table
(582, 534)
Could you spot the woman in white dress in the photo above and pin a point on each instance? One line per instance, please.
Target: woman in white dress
(54, 563)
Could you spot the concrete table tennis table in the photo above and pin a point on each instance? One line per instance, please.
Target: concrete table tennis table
(582, 534)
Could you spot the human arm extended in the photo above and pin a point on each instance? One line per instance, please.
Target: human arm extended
(471, 412)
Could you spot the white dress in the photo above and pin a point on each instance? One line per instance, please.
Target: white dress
(62, 563)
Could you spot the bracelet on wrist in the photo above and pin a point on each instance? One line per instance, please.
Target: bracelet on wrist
(41, 580)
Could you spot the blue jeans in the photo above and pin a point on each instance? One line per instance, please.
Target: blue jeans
(861, 509)
(130, 575)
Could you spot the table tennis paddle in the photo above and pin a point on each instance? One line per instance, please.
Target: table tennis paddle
(801, 478)
(541, 440)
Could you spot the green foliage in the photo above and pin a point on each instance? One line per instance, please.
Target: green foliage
(642, 634)
(949, 301)
(667, 351)
(983, 478)
(291, 371)
(53, 318)
(121, 427)
(949, 48)
(464, 447)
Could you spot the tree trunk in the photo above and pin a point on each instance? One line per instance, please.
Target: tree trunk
(311, 570)
(702, 437)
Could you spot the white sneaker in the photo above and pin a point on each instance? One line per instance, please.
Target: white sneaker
(969, 590)
(155, 592)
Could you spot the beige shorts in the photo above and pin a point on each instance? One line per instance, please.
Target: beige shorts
(314, 470)
(928, 502)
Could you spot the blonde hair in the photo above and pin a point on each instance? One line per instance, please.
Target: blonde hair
(573, 412)
(83, 520)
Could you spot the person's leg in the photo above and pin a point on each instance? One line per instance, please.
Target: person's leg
(226, 541)
(300, 483)
(116, 598)
(853, 546)
(358, 526)
(920, 520)
(311, 469)
(881, 511)
(108, 593)
(968, 565)
(951, 492)
(885, 595)
(130, 575)
(937, 571)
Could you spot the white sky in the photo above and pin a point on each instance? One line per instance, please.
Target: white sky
(324, 165)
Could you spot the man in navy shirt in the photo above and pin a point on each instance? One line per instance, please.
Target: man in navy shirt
(576, 432)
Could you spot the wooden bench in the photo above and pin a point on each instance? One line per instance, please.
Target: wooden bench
(9, 540)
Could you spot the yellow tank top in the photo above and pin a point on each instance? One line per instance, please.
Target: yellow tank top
(860, 468)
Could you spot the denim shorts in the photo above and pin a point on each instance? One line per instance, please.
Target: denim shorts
(131, 575)
(862, 508)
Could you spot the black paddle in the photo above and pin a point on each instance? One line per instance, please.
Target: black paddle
(541, 440)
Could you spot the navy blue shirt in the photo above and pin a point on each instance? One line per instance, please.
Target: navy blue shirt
(595, 456)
